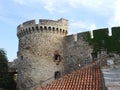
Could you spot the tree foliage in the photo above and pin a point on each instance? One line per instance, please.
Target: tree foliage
(6, 78)
(3, 61)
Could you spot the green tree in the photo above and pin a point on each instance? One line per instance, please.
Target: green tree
(6, 78)
(3, 68)
(3, 61)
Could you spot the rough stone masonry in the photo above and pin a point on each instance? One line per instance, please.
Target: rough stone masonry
(46, 52)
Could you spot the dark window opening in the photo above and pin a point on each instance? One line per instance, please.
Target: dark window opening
(33, 28)
(41, 28)
(45, 28)
(49, 28)
(36, 27)
(29, 30)
(53, 28)
(21, 57)
(57, 74)
(57, 57)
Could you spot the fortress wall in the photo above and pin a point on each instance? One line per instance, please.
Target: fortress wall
(77, 53)
(39, 42)
(61, 23)
(101, 33)
(39, 48)
(82, 36)
(70, 39)
(36, 55)
(26, 24)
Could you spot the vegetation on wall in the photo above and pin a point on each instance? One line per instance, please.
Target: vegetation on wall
(115, 39)
(102, 40)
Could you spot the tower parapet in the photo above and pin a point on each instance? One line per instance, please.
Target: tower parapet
(45, 25)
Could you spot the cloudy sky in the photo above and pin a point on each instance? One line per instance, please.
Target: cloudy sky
(83, 15)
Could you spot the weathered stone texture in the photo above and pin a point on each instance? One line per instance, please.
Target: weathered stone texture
(37, 46)
(36, 57)
(77, 52)
(61, 23)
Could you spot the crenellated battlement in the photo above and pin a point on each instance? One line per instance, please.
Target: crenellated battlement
(94, 34)
(77, 37)
(59, 27)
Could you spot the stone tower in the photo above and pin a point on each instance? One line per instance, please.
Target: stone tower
(40, 52)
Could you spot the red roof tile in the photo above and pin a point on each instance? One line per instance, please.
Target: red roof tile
(86, 78)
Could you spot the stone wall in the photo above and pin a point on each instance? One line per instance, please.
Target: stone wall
(38, 44)
(45, 25)
(37, 65)
(77, 52)
(61, 23)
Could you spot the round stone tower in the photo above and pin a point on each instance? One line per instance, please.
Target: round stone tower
(40, 53)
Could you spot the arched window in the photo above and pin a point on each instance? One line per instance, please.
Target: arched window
(36, 27)
(57, 57)
(45, 28)
(53, 29)
(33, 28)
(60, 30)
(26, 30)
(41, 28)
(23, 31)
(57, 30)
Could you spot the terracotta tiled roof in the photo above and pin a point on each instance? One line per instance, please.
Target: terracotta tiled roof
(87, 78)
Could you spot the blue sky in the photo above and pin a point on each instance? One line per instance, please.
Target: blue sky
(83, 15)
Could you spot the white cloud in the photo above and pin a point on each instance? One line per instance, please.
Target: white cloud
(76, 27)
(50, 5)
(55, 5)
(86, 3)
(93, 5)
(92, 27)
(115, 19)
(83, 25)
(103, 7)
(60, 6)
(109, 8)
